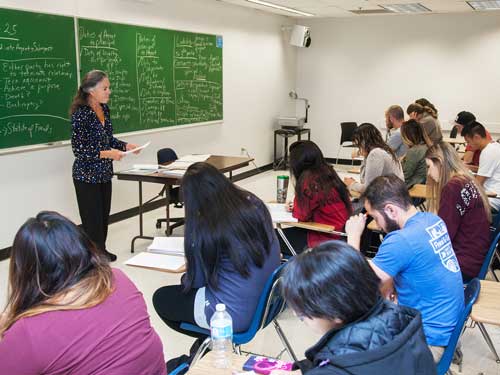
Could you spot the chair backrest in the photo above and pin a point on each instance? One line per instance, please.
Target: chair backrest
(165, 155)
(347, 131)
(454, 132)
(270, 304)
(489, 256)
(471, 294)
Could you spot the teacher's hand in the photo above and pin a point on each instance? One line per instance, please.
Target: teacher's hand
(114, 154)
(131, 146)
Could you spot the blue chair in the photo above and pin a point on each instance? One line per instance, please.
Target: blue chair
(489, 257)
(471, 294)
(270, 305)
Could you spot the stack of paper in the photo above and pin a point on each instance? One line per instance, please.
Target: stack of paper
(159, 262)
(167, 245)
(177, 173)
(279, 213)
(147, 167)
(186, 161)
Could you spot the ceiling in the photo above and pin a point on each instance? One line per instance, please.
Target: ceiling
(344, 8)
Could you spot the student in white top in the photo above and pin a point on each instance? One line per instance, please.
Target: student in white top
(488, 174)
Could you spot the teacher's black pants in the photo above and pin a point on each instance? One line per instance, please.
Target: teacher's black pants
(94, 204)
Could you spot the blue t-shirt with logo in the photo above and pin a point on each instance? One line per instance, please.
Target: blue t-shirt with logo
(421, 260)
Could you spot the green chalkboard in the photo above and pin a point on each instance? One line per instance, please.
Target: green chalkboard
(38, 77)
(158, 77)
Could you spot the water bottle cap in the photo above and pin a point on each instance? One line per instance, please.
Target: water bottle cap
(220, 307)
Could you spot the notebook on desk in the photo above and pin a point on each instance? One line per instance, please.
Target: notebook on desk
(279, 213)
(167, 246)
(158, 262)
(164, 254)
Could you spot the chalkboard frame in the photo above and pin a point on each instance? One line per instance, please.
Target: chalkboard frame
(66, 143)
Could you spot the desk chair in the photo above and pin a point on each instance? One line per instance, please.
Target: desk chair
(471, 294)
(163, 156)
(488, 260)
(346, 133)
(270, 305)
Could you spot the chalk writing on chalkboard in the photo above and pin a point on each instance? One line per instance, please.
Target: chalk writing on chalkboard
(38, 78)
(159, 77)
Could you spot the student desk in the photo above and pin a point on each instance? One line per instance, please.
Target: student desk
(309, 225)
(487, 310)
(225, 164)
(205, 366)
(455, 141)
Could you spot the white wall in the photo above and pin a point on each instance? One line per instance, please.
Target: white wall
(259, 70)
(358, 67)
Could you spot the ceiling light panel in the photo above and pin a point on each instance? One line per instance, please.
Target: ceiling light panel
(281, 7)
(484, 5)
(406, 8)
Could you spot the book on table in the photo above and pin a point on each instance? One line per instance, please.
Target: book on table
(164, 254)
(279, 213)
(167, 246)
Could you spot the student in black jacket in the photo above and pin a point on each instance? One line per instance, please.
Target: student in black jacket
(333, 289)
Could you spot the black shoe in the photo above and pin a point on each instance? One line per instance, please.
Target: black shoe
(111, 257)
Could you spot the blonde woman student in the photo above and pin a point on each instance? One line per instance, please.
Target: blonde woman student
(462, 204)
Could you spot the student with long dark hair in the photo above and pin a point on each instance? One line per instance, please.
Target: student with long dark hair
(379, 160)
(417, 142)
(68, 312)
(320, 196)
(230, 249)
(333, 289)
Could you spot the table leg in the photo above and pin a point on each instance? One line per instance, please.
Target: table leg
(168, 230)
(285, 156)
(141, 224)
(488, 340)
(275, 162)
(285, 240)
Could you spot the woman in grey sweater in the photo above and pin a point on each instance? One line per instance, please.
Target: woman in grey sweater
(379, 160)
(417, 141)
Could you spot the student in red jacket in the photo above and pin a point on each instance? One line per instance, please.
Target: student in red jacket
(463, 206)
(320, 196)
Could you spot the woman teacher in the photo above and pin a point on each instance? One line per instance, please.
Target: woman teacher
(95, 148)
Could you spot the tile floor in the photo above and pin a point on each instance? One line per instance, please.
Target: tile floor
(477, 357)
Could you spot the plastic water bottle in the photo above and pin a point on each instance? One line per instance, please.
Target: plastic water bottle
(221, 328)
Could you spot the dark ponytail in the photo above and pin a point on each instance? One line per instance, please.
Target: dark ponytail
(89, 82)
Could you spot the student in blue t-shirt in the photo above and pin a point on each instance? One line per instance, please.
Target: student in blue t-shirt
(416, 259)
